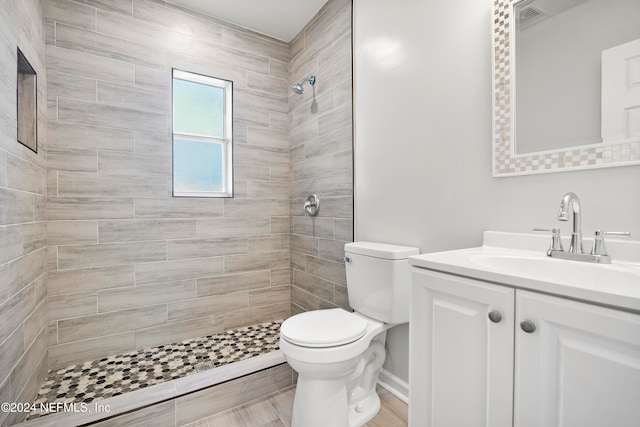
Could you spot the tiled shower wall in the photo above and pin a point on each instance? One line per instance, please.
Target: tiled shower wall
(320, 138)
(130, 266)
(23, 307)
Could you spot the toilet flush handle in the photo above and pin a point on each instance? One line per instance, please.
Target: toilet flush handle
(345, 259)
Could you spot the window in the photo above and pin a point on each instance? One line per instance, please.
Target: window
(202, 136)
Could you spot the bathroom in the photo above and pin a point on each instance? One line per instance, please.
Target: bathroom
(90, 216)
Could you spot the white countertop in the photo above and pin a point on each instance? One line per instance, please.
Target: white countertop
(616, 284)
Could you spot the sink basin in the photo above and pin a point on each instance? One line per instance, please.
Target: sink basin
(594, 276)
(520, 261)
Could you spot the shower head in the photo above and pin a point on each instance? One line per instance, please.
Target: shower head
(297, 88)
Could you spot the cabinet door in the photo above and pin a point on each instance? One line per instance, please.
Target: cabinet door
(461, 362)
(579, 368)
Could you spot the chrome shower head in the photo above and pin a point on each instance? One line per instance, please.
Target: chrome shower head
(297, 88)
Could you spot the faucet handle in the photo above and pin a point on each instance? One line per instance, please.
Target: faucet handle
(556, 241)
(598, 242)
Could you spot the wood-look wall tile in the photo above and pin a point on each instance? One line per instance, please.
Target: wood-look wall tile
(70, 86)
(252, 153)
(35, 323)
(88, 208)
(279, 172)
(178, 331)
(72, 159)
(80, 351)
(87, 327)
(343, 229)
(207, 306)
(77, 136)
(110, 254)
(133, 97)
(278, 69)
(34, 235)
(251, 170)
(119, 7)
(176, 207)
(168, 271)
(248, 208)
(25, 176)
(304, 244)
(10, 351)
(206, 247)
(314, 285)
(26, 269)
(330, 270)
(140, 296)
(92, 114)
(72, 305)
(269, 243)
(208, 67)
(183, 20)
(109, 47)
(249, 115)
(15, 310)
(87, 65)
(277, 86)
(276, 295)
(10, 243)
(268, 190)
(143, 163)
(331, 249)
(255, 315)
(138, 230)
(337, 207)
(280, 224)
(161, 37)
(70, 13)
(317, 227)
(267, 137)
(89, 279)
(320, 166)
(262, 100)
(232, 283)
(306, 301)
(253, 262)
(253, 42)
(153, 79)
(104, 185)
(28, 363)
(280, 276)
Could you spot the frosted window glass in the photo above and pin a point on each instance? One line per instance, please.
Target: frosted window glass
(197, 166)
(198, 109)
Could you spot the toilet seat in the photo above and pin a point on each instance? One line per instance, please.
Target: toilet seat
(323, 328)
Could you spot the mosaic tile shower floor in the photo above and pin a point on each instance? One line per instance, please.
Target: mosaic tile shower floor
(115, 375)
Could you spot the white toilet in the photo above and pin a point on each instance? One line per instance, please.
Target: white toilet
(338, 354)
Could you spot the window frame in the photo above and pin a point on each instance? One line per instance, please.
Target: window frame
(226, 140)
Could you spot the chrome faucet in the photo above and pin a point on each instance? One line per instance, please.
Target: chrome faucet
(571, 202)
(599, 254)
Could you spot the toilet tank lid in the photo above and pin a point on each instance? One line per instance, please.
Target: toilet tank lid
(381, 250)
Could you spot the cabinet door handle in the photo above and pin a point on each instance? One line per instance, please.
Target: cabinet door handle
(495, 316)
(528, 326)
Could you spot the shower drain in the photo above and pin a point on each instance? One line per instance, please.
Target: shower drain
(205, 366)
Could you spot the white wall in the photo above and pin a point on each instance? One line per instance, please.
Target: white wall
(422, 99)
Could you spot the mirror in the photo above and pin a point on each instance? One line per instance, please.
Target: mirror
(567, 96)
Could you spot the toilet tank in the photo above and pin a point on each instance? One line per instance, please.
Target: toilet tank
(379, 280)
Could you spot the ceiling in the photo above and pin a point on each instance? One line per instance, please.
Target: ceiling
(282, 19)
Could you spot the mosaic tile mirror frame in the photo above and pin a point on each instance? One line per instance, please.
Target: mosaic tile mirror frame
(505, 160)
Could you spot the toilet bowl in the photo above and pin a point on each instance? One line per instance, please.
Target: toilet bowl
(338, 354)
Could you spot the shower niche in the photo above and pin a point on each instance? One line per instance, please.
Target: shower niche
(27, 101)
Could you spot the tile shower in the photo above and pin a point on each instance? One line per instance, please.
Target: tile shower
(108, 262)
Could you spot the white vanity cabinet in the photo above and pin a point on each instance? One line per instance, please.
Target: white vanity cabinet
(580, 367)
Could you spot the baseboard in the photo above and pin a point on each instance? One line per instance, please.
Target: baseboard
(394, 385)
